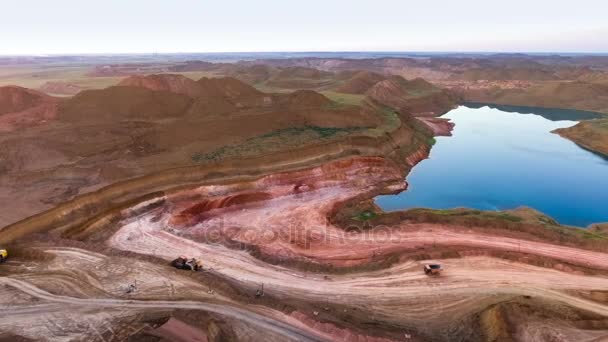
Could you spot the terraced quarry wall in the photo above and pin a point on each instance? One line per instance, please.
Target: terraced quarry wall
(397, 145)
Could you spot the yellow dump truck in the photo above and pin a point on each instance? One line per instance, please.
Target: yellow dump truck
(3, 255)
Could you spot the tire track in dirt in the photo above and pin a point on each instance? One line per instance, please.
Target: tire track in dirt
(285, 329)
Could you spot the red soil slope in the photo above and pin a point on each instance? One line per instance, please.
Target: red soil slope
(122, 103)
(166, 82)
(360, 82)
(20, 107)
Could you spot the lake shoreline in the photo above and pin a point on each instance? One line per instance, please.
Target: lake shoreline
(528, 170)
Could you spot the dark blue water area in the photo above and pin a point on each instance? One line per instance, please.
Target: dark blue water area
(502, 159)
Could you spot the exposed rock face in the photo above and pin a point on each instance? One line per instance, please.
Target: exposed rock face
(104, 136)
(592, 134)
(417, 97)
(21, 107)
(439, 126)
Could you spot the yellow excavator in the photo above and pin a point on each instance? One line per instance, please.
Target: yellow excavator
(3, 255)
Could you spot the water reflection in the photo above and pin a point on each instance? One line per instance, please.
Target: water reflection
(499, 159)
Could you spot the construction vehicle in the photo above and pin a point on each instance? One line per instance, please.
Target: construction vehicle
(433, 269)
(185, 263)
(3, 255)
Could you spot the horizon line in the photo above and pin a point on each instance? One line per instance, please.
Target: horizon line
(84, 54)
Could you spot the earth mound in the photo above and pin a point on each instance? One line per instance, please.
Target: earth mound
(164, 82)
(251, 74)
(305, 99)
(417, 97)
(123, 103)
(228, 87)
(360, 82)
(16, 99)
(21, 107)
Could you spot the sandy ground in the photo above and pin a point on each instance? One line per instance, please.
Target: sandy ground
(82, 295)
(275, 226)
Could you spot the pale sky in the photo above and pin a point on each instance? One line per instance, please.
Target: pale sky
(144, 26)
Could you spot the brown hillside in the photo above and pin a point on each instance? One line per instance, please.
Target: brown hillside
(228, 87)
(21, 107)
(301, 78)
(360, 82)
(250, 74)
(417, 97)
(567, 94)
(304, 99)
(164, 82)
(592, 134)
(123, 103)
(507, 74)
(303, 72)
(16, 99)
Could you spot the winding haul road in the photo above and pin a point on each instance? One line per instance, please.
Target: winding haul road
(261, 321)
(291, 225)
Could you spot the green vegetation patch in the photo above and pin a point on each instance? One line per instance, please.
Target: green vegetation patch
(365, 215)
(470, 212)
(586, 234)
(278, 140)
(345, 99)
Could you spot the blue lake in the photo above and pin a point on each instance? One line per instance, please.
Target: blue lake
(505, 157)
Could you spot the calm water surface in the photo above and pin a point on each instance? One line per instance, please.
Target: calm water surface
(504, 157)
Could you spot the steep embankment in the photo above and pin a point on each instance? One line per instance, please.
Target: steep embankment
(136, 130)
(592, 134)
(132, 131)
(123, 194)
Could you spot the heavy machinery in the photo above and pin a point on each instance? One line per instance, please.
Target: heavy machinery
(3, 255)
(185, 263)
(433, 269)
